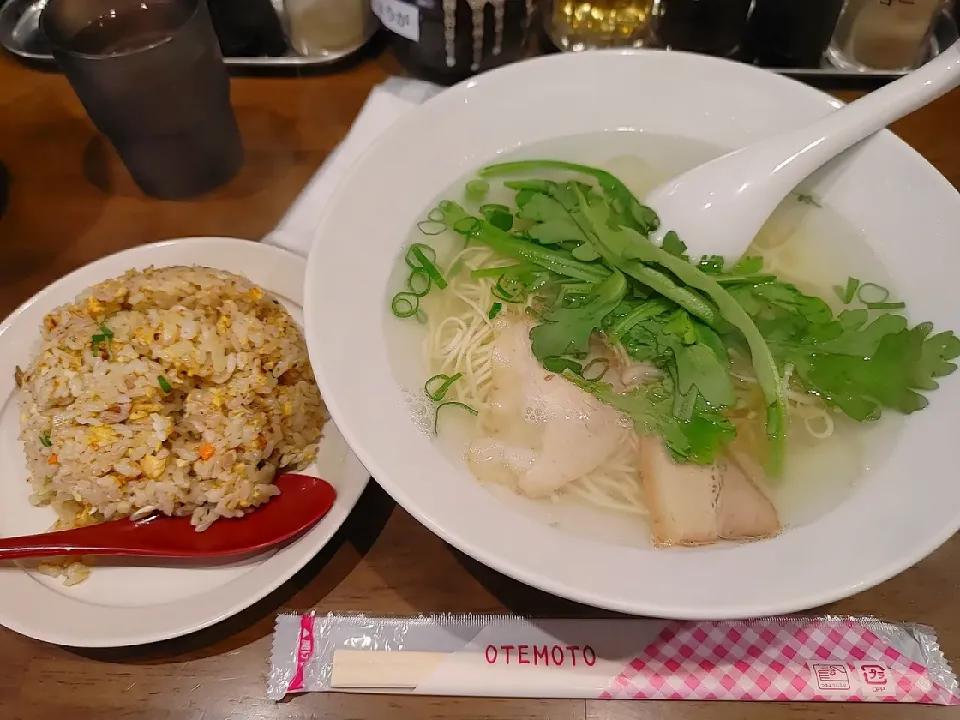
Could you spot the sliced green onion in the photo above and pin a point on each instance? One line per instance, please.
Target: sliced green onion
(449, 403)
(96, 340)
(846, 294)
(504, 293)
(885, 305)
(559, 364)
(870, 293)
(431, 227)
(427, 264)
(468, 226)
(494, 310)
(445, 382)
(419, 282)
(496, 272)
(755, 280)
(500, 216)
(405, 305)
(107, 332)
(411, 259)
(45, 440)
(600, 362)
(476, 190)
(164, 385)
(490, 208)
(436, 215)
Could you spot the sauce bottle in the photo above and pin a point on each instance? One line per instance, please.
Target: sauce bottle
(792, 33)
(448, 40)
(712, 27)
(590, 24)
(884, 34)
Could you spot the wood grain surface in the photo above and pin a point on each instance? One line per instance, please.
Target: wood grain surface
(71, 202)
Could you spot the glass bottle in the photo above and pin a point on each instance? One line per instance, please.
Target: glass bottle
(448, 40)
(884, 34)
(712, 27)
(585, 25)
(324, 27)
(791, 33)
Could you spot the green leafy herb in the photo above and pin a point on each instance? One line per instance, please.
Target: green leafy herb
(568, 330)
(500, 216)
(562, 364)
(858, 365)
(164, 385)
(630, 212)
(676, 247)
(848, 292)
(696, 439)
(583, 264)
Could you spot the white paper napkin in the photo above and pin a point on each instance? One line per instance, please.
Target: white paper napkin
(385, 105)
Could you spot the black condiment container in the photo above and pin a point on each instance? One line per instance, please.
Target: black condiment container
(711, 27)
(791, 33)
(457, 38)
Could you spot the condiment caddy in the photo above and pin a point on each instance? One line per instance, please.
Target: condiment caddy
(272, 34)
(448, 40)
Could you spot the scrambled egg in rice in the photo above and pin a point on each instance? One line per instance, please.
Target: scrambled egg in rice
(179, 390)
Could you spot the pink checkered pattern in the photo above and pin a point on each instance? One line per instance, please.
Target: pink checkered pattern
(782, 659)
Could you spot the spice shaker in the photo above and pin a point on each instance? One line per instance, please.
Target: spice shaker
(584, 25)
(712, 27)
(448, 40)
(884, 34)
(791, 33)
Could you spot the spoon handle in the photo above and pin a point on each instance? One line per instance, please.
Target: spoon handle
(810, 147)
(69, 543)
(874, 111)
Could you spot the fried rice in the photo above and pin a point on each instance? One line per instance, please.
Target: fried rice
(179, 390)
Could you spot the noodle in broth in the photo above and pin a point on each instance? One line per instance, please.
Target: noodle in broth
(459, 338)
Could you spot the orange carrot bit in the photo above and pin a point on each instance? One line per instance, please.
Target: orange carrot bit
(53, 460)
(207, 451)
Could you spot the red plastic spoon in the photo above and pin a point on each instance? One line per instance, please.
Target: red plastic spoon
(302, 502)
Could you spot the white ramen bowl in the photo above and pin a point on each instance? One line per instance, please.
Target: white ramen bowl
(899, 511)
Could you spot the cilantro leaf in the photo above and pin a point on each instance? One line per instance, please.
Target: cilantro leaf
(650, 409)
(567, 330)
(858, 361)
(903, 363)
(675, 246)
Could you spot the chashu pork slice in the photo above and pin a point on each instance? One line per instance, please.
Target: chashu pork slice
(700, 504)
(545, 431)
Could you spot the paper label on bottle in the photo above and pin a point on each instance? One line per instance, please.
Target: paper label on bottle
(399, 17)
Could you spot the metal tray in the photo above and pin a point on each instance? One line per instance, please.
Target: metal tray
(20, 34)
(945, 34)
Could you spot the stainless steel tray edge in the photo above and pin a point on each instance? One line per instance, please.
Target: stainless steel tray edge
(20, 35)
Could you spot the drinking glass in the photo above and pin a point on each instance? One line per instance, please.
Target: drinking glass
(151, 77)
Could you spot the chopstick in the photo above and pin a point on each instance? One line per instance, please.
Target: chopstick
(354, 669)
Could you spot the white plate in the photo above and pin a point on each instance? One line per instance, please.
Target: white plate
(126, 604)
(909, 214)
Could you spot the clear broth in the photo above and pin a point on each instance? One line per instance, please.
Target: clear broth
(821, 250)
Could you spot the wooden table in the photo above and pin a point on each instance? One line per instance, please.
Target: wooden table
(71, 202)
